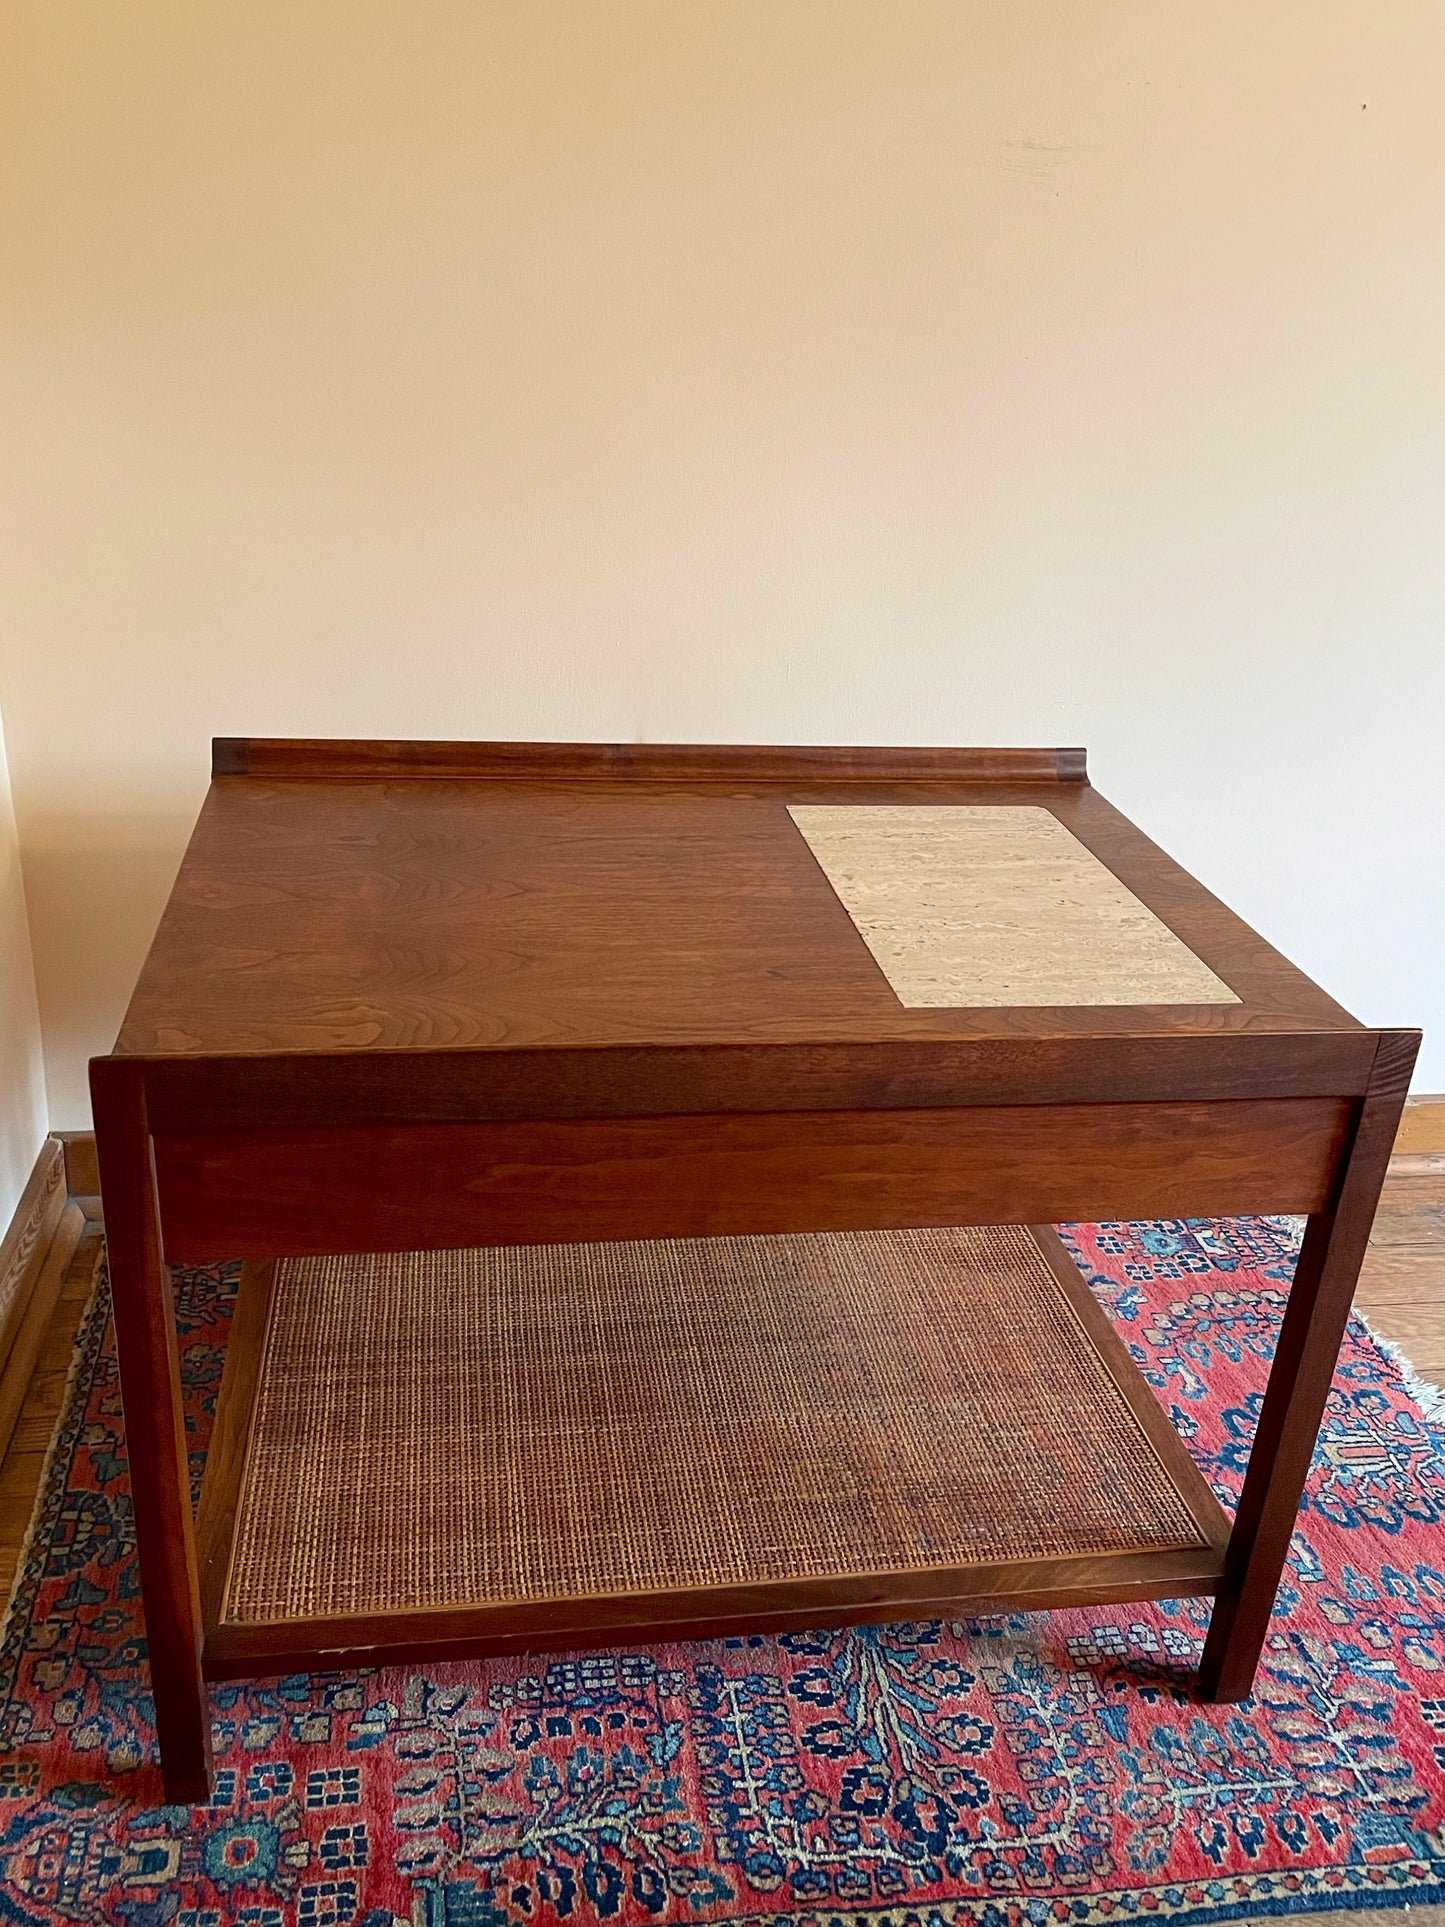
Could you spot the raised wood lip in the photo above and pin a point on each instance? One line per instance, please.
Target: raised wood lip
(362, 758)
(234, 1651)
(567, 1624)
(225, 1468)
(921, 1584)
(1188, 1481)
(901, 1595)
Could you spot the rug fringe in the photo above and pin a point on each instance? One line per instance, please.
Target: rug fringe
(1430, 1398)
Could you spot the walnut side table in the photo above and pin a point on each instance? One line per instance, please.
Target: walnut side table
(728, 1076)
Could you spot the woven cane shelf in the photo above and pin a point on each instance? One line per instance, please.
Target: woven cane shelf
(674, 1422)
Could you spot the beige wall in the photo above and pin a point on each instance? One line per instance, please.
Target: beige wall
(22, 1077)
(1021, 372)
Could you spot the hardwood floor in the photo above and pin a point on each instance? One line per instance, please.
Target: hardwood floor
(1402, 1287)
(25, 1457)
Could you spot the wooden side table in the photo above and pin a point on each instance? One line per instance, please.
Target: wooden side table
(727, 1077)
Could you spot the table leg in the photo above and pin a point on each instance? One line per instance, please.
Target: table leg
(150, 1384)
(1299, 1383)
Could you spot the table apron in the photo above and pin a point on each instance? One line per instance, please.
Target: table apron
(264, 1194)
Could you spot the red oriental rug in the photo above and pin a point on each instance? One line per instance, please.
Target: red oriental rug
(1026, 1769)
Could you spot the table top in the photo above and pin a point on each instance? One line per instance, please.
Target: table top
(361, 899)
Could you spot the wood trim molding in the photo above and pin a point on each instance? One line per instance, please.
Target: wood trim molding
(31, 1229)
(82, 1171)
(34, 1254)
(634, 762)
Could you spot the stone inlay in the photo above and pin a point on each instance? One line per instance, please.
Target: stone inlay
(996, 904)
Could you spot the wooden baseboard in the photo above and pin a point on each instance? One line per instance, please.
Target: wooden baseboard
(34, 1254)
(42, 1204)
(82, 1171)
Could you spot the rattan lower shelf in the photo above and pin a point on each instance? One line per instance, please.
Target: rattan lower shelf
(534, 1445)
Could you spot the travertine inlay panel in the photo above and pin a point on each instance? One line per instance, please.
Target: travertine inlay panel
(996, 904)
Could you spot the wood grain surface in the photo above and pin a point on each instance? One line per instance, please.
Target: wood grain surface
(636, 762)
(1335, 1241)
(429, 1187)
(354, 915)
(155, 1433)
(312, 1090)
